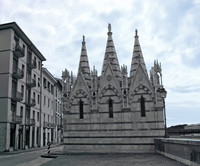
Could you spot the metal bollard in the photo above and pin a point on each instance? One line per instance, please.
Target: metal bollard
(48, 151)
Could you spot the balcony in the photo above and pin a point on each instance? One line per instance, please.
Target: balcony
(51, 125)
(32, 64)
(16, 119)
(30, 122)
(31, 82)
(60, 126)
(31, 102)
(18, 73)
(18, 51)
(46, 125)
(17, 96)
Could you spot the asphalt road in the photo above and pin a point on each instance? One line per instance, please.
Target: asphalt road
(26, 158)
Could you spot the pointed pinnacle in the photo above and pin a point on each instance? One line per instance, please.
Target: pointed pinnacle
(109, 29)
(83, 39)
(136, 33)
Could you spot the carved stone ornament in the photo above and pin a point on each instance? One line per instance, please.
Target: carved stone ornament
(140, 78)
(108, 78)
(80, 83)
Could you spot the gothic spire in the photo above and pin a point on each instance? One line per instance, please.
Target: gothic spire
(137, 57)
(111, 56)
(84, 68)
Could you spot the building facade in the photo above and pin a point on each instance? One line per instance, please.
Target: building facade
(113, 112)
(21, 91)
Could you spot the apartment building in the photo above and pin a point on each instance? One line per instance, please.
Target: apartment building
(51, 108)
(58, 112)
(26, 119)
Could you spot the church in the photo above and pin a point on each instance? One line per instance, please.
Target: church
(114, 112)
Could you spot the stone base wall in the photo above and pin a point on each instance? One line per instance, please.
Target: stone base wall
(106, 148)
(3, 136)
(186, 151)
(111, 136)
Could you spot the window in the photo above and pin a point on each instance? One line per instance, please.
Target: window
(38, 99)
(38, 82)
(48, 102)
(34, 115)
(44, 100)
(34, 76)
(34, 95)
(16, 41)
(52, 89)
(142, 106)
(48, 86)
(45, 83)
(81, 109)
(38, 116)
(23, 47)
(21, 111)
(110, 102)
(22, 89)
(44, 117)
(23, 68)
(39, 65)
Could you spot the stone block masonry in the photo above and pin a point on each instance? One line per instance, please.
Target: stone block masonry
(112, 113)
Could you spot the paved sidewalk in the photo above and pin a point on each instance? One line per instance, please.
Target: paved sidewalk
(112, 160)
(53, 146)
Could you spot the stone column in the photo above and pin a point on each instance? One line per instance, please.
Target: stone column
(16, 136)
(30, 137)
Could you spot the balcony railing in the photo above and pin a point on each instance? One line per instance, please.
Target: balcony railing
(60, 126)
(18, 73)
(31, 102)
(46, 125)
(31, 82)
(16, 119)
(30, 122)
(32, 64)
(18, 51)
(51, 125)
(17, 96)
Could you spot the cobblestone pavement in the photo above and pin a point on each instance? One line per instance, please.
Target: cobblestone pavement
(112, 160)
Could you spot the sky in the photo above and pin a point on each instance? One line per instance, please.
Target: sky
(168, 31)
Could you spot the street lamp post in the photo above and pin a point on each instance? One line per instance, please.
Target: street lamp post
(163, 93)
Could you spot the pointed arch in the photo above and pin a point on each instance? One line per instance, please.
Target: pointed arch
(142, 106)
(81, 109)
(110, 107)
(110, 87)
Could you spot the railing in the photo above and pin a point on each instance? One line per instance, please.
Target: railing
(31, 102)
(31, 82)
(18, 51)
(17, 96)
(17, 119)
(18, 73)
(32, 64)
(30, 122)
(186, 151)
(46, 124)
(60, 126)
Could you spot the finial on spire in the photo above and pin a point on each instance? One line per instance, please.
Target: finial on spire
(136, 33)
(109, 27)
(83, 42)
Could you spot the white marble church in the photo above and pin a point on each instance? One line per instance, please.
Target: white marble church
(113, 112)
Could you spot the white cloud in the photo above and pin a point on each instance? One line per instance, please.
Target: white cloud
(169, 31)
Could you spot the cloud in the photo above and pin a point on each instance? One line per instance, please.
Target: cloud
(168, 31)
